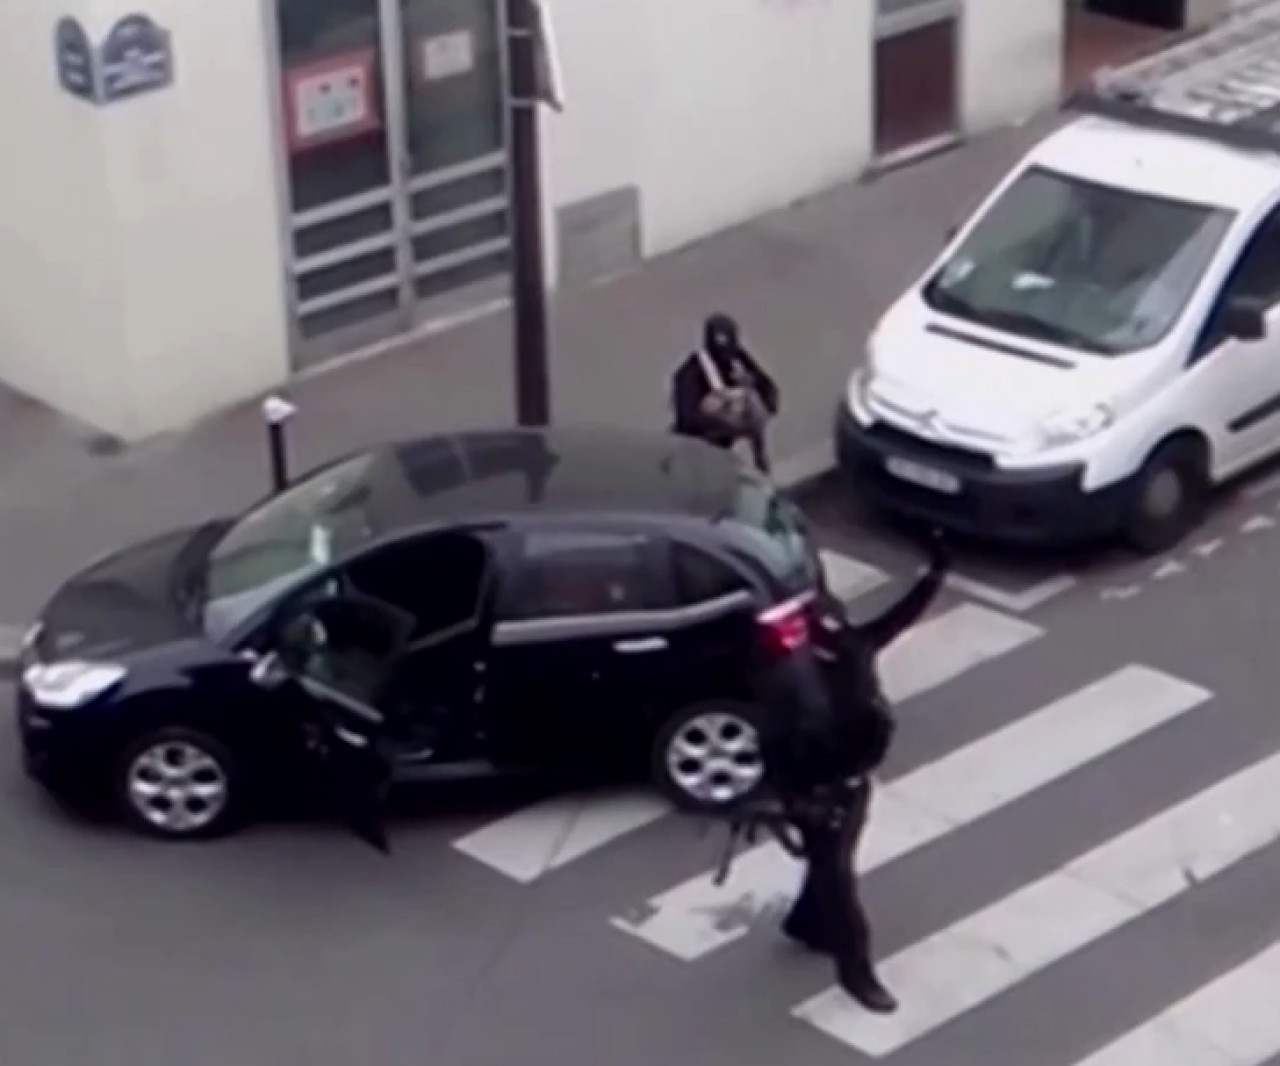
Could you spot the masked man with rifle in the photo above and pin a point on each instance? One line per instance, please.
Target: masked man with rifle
(833, 728)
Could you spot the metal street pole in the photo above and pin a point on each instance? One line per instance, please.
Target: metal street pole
(276, 413)
(529, 288)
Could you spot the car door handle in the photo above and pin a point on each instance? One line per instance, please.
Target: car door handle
(641, 644)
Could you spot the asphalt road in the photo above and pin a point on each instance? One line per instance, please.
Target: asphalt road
(580, 933)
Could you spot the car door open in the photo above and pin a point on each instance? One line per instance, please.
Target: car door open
(338, 653)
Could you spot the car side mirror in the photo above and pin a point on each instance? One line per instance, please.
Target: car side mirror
(269, 671)
(1244, 319)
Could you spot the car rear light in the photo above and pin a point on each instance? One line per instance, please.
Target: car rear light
(785, 628)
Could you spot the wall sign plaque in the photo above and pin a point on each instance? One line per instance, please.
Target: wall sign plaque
(73, 59)
(134, 58)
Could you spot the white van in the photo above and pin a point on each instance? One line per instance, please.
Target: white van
(1100, 344)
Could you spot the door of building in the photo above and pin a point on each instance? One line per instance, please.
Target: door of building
(916, 76)
(394, 132)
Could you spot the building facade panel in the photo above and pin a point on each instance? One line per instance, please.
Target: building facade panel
(323, 174)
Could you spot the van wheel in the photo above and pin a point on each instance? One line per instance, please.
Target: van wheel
(707, 758)
(1168, 498)
(179, 784)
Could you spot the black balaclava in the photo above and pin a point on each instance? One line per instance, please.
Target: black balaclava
(720, 335)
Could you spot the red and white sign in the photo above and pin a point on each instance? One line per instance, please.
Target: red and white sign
(331, 99)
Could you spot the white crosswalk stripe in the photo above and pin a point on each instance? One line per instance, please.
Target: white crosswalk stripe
(1001, 944)
(540, 839)
(1232, 1021)
(983, 955)
(546, 836)
(850, 578)
(942, 648)
(688, 921)
(925, 806)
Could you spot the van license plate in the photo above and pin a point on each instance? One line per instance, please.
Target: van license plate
(927, 477)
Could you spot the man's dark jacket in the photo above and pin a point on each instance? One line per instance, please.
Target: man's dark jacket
(689, 385)
(830, 719)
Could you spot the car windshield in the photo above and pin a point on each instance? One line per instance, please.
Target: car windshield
(775, 529)
(295, 533)
(1093, 267)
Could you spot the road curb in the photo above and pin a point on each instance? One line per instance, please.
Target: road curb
(800, 471)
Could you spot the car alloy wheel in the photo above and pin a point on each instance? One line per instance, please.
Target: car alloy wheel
(177, 784)
(709, 757)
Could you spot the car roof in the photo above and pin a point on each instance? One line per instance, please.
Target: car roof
(1175, 166)
(503, 474)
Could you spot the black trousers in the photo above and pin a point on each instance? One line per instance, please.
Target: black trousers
(827, 915)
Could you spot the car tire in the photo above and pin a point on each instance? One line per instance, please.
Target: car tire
(178, 784)
(1168, 498)
(706, 757)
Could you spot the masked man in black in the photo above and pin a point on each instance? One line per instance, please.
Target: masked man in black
(721, 395)
(822, 764)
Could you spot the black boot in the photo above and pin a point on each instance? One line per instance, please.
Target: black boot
(806, 933)
(865, 987)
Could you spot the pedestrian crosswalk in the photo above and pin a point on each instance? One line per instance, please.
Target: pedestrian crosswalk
(938, 799)
(1089, 715)
(987, 953)
(1210, 1027)
(543, 837)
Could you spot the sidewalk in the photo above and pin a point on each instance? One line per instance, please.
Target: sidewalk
(807, 284)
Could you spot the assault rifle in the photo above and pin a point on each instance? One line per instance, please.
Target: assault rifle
(782, 818)
(744, 831)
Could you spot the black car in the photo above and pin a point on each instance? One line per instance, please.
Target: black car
(546, 601)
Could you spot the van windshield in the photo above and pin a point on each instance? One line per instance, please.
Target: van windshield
(1093, 267)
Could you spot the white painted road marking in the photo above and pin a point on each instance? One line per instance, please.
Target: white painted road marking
(1014, 602)
(1231, 1022)
(850, 578)
(944, 647)
(546, 836)
(697, 917)
(979, 957)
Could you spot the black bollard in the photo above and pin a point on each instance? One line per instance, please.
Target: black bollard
(276, 412)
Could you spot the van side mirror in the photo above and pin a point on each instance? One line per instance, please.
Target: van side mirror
(1244, 319)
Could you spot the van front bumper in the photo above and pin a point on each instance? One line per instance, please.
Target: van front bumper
(1043, 505)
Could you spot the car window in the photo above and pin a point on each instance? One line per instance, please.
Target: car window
(1256, 276)
(771, 529)
(562, 573)
(700, 576)
(345, 644)
(435, 578)
(1095, 267)
(295, 533)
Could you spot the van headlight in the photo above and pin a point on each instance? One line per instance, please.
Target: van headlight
(67, 685)
(1072, 425)
(859, 392)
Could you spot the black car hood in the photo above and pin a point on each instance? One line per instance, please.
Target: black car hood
(124, 603)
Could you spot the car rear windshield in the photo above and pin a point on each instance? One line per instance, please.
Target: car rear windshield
(774, 530)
